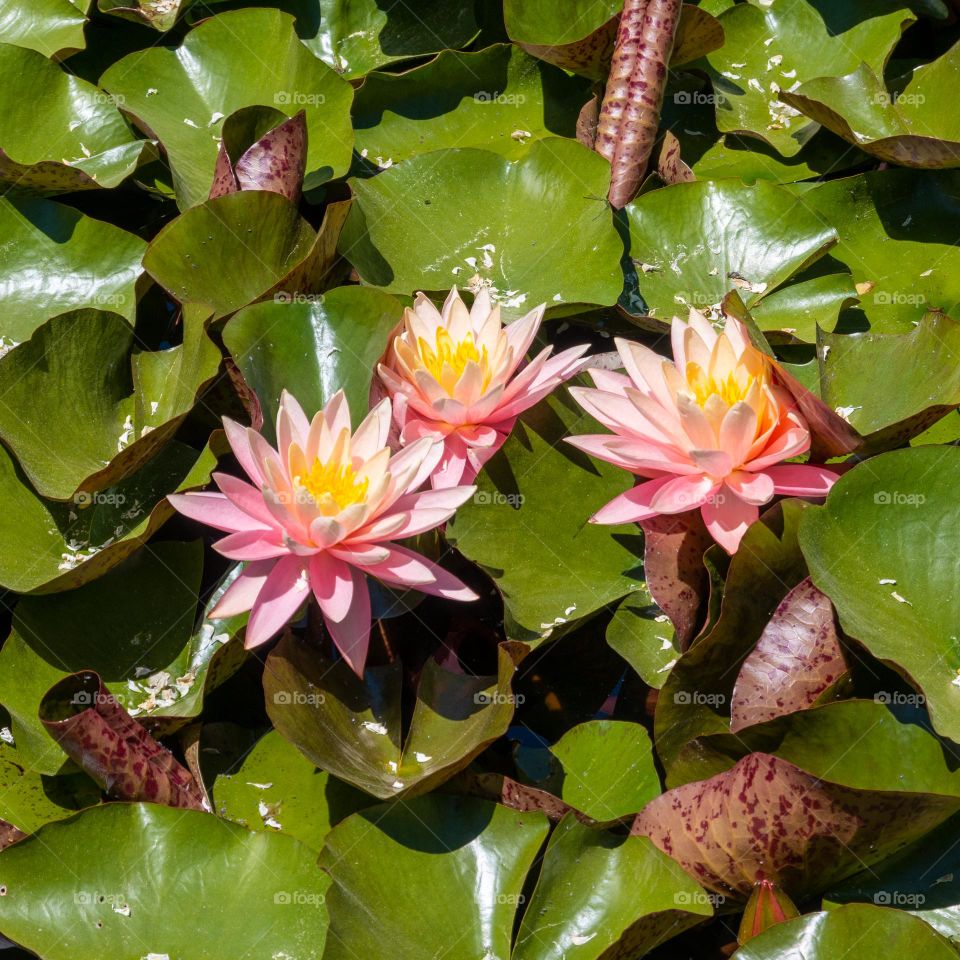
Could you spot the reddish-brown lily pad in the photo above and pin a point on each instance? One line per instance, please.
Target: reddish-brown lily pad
(766, 819)
(796, 659)
(96, 733)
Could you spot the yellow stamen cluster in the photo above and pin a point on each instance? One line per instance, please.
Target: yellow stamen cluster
(732, 389)
(454, 356)
(333, 486)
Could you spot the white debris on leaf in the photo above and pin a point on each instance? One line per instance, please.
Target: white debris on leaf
(887, 580)
(521, 136)
(422, 757)
(190, 123)
(122, 908)
(6, 735)
(152, 91)
(6, 345)
(126, 434)
(774, 61)
(378, 728)
(158, 691)
(267, 811)
(665, 643)
(215, 118)
(846, 412)
(259, 786)
(896, 596)
(667, 667)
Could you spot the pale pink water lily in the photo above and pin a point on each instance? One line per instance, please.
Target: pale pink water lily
(457, 374)
(320, 515)
(709, 430)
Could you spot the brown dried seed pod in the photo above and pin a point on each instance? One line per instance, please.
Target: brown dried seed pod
(630, 113)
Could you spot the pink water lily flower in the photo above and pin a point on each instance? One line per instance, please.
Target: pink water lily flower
(321, 514)
(457, 375)
(709, 430)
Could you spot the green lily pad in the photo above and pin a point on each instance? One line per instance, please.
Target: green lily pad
(28, 799)
(476, 215)
(856, 929)
(277, 788)
(46, 242)
(549, 23)
(527, 525)
(81, 410)
(895, 592)
(774, 46)
(78, 141)
(693, 242)
(232, 250)
(69, 544)
(353, 727)
(183, 95)
(643, 635)
(363, 35)
(914, 126)
(473, 854)
(87, 888)
(604, 769)
(51, 27)
(812, 302)
(159, 14)
(857, 370)
(135, 627)
(897, 231)
(499, 99)
(312, 348)
(598, 892)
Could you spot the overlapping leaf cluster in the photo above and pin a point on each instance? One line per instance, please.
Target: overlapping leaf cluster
(205, 203)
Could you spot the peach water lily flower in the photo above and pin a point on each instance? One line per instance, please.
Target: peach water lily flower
(709, 430)
(457, 375)
(320, 515)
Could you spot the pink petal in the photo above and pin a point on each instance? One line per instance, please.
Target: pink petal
(239, 440)
(246, 497)
(609, 380)
(292, 423)
(791, 443)
(452, 469)
(755, 488)
(683, 493)
(282, 594)
(716, 463)
(632, 506)
(241, 595)
(215, 510)
(727, 518)
(637, 456)
(251, 545)
(408, 569)
(801, 479)
(738, 430)
(645, 369)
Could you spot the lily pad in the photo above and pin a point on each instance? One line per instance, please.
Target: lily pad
(797, 658)
(695, 700)
(313, 348)
(69, 544)
(135, 627)
(182, 95)
(642, 634)
(761, 826)
(159, 14)
(598, 892)
(232, 250)
(52, 27)
(857, 369)
(352, 727)
(897, 230)
(499, 99)
(913, 126)
(776, 45)
(604, 769)
(78, 141)
(527, 525)
(693, 242)
(277, 788)
(480, 220)
(87, 887)
(857, 928)
(894, 592)
(473, 854)
(363, 35)
(81, 410)
(47, 242)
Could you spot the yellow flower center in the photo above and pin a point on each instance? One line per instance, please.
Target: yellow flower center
(732, 389)
(454, 355)
(333, 486)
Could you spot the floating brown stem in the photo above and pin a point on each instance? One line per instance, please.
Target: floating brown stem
(630, 113)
